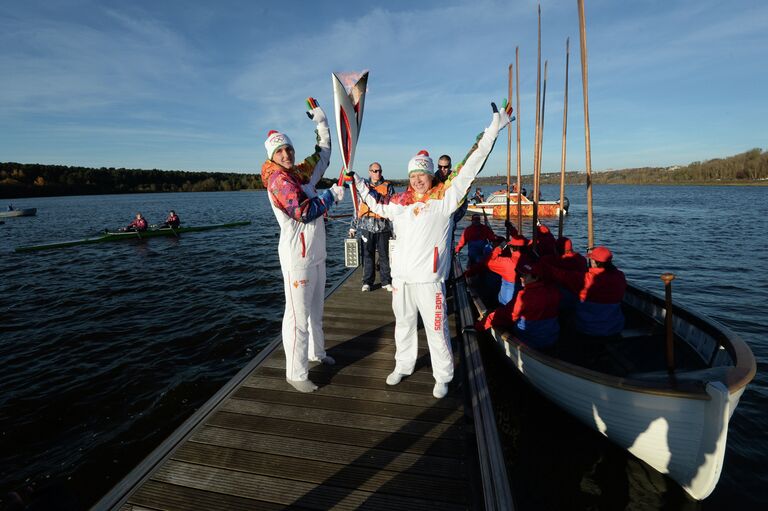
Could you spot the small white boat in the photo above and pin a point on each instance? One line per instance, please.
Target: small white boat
(496, 205)
(18, 212)
(678, 425)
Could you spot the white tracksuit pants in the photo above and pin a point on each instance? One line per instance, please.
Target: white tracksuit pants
(428, 299)
(303, 338)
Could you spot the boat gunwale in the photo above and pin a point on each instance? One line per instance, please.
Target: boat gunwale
(736, 376)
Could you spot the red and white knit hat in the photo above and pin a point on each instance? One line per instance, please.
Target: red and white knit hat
(421, 163)
(274, 141)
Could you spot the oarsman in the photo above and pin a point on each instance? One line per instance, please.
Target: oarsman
(299, 212)
(422, 220)
(173, 221)
(533, 315)
(506, 261)
(139, 224)
(600, 291)
(475, 236)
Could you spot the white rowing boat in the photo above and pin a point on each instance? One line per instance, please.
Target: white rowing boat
(678, 425)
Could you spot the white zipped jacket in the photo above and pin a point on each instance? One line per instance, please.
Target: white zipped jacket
(423, 227)
(298, 207)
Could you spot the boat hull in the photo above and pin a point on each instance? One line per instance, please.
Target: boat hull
(496, 206)
(679, 429)
(18, 212)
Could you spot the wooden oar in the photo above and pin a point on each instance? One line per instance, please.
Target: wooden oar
(587, 143)
(536, 132)
(519, 169)
(537, 177)
(668, 278)
(561, 214)
(509, 145)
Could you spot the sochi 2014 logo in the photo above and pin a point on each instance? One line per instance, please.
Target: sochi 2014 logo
(278, 140)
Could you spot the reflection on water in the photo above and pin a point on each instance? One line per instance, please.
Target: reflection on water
(106, 348)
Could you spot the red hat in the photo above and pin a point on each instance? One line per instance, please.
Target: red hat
(564, 245)
(517, 241)
(600, 254)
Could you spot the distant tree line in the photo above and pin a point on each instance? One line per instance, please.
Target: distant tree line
(36, 180)
(749, 167)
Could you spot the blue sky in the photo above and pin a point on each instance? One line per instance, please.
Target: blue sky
(189, 85)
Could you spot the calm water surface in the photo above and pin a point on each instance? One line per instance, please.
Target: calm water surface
(107, 348)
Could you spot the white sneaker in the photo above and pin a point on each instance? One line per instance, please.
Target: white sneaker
(388, 287)
(394, 378)
(440, 390)
(302, 385)
(365, 288)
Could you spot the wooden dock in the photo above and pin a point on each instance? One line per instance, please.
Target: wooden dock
(355, 443)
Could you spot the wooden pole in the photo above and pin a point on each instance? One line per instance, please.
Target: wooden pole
(587, 143)
(509, 151)
(537, 180)
(668, 278)
(519, 169)
(561, 215)
(536, 131)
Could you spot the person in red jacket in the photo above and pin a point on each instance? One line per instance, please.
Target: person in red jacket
(506, 261)
(173, 221)
(600, 291)
(476, 236)
(545, 241)
(139, 224)
(569, 258)
(534, 313)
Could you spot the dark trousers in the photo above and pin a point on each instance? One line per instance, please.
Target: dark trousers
(375, 241)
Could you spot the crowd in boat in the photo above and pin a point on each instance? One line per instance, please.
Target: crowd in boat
(544, 284)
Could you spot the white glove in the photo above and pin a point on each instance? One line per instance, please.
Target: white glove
(317, 115)
(500, 118)
(337, 192)
(352, 233)
(357, 181)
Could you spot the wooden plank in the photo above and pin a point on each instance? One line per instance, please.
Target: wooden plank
(332, 417)
(318, 449)
(340, 434)
(316, 472)
(286, 492)
(335, 403)
(171, 497)
(322, 380)
(388, 395)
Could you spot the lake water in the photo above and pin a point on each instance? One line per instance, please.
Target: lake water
(107, 348)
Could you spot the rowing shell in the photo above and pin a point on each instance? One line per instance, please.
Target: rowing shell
(131, 235)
